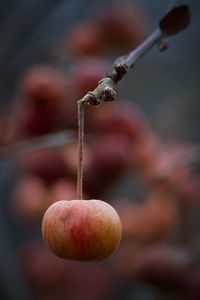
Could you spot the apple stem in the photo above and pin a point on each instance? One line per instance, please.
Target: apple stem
(80, 149)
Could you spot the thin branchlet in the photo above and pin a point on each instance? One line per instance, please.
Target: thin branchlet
(175, 21)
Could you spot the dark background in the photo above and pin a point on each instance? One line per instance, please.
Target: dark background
(164, 85)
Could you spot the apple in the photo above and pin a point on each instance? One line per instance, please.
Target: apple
(92, 70)
(107, 163)
(121, 260)
(162, 265)
(43, 83)
(43, 90)
(122, 27)
(151, 220)
(37, 264)
(29, 198)
(81, 285)
(118, 29)
(63, 188)
(47, 164)
(115, 157)
(84, 230)
(120, 118)
(84, 39)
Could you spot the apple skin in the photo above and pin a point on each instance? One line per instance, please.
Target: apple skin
(83, 230)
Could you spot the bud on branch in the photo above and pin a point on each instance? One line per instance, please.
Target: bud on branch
(175, 21)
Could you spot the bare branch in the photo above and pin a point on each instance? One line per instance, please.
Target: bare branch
(47, 141)
(176, 20)
(151, 41)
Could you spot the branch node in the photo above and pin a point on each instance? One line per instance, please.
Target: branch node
(92, 99)
(163, 45)
(108, 94)
(107, 89)
(121, 69)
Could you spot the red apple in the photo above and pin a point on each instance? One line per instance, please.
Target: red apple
(121, 118)
(84, 40)
(162, 265)
(112, 154)
(87, 74)
(122, 27)
(43, 90)
(41, 268)
(47, 164)
(84, 230)
(29, 198)
(149, 221)
(90, 281)
(62, 189)
(107, 163)
(43, 83)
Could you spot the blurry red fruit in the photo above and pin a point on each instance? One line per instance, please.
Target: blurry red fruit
(112, 154)
(167, 166)
(162, 266)
(87, 74)
(122, 119)
(126, 253)
(29, 198)
(84, 39)
(35, 122)
(146, 159)
(150, 221)
(83, 286)
(42, 90)
(47, 164)
(186, 185)
(111, 158)
(62, 189)
(43, 83)
(122, 27)
(41, 268)
(166, 160)
(10, 130)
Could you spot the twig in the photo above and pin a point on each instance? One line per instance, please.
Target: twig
(47, 141)
(173, 22)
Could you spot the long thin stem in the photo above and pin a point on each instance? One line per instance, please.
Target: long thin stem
(80, 149)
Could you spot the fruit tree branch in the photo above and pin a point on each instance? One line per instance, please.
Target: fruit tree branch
(175, 21)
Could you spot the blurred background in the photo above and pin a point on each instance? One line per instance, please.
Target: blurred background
(141, 153)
